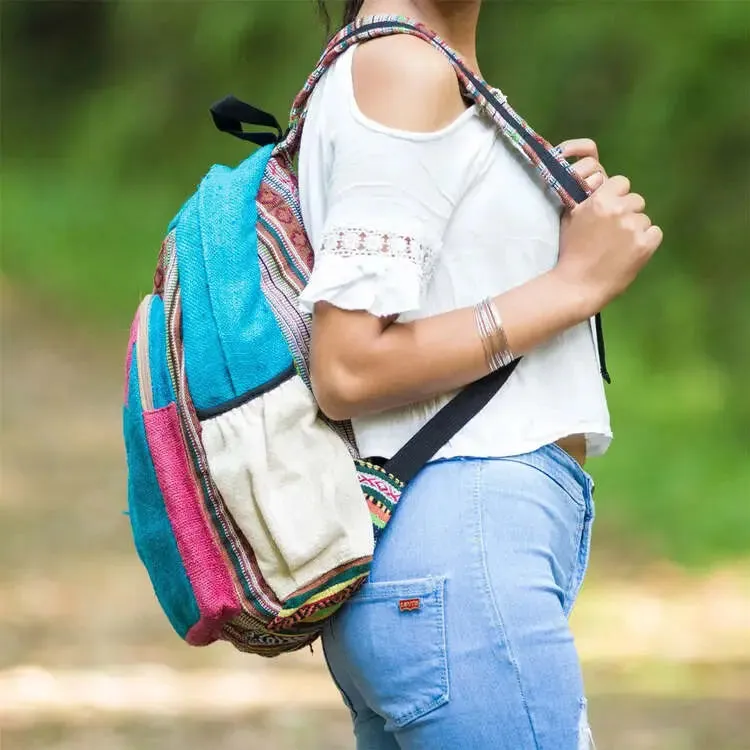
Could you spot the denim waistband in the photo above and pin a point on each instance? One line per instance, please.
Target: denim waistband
(550, 459)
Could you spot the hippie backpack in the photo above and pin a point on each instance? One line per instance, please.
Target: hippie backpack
(254, 515)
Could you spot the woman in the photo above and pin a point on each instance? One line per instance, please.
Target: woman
(439, 258)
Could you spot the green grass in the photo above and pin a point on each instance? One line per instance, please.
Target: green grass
(677, 475)
(90, 248)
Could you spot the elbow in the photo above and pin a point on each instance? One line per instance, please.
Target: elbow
(339, 392)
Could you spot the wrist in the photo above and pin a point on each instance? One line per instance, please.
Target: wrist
(578, 300)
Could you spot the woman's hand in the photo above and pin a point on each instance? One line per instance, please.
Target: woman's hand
(587, 164)
(608, 239)
(605, 242)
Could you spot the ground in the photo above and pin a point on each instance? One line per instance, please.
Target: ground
(87, 662)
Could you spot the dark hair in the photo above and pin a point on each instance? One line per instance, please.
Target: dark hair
(351, 11)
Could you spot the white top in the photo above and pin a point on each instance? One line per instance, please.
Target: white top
(419, 224)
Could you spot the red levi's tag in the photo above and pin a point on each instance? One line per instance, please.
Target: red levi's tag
(409, 605)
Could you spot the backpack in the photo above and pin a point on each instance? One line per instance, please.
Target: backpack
(253, 514)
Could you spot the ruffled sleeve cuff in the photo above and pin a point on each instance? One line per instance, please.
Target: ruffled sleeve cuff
(381, 273)
(381, 286)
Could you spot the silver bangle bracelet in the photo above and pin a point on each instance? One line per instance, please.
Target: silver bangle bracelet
(490, 327)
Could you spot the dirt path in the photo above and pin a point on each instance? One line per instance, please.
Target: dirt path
(667, 657)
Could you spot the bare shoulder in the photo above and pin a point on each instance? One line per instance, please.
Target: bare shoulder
(403, 82)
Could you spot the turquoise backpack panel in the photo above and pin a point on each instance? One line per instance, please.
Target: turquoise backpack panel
(233, 343)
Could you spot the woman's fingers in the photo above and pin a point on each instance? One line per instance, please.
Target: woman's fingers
(640, 222)
(619, 185)
(635, 202)
(588, 166)
(590, 170)
(595, 181)
(653, 237)
(579, 148)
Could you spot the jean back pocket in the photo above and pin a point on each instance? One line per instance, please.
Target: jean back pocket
(392, 641)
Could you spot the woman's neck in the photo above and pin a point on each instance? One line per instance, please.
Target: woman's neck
(454, 20)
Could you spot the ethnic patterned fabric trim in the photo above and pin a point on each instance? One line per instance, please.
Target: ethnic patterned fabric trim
(382, 491)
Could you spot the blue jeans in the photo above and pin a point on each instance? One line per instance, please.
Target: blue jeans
(460, 639)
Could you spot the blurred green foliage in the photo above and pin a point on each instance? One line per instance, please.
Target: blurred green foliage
(106, 131)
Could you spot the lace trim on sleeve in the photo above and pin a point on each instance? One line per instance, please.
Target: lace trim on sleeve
(384, 273)
(358, 243)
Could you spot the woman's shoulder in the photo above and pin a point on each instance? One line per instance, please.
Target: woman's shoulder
(406, 84)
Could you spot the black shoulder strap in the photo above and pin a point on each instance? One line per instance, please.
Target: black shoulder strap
(452, 418)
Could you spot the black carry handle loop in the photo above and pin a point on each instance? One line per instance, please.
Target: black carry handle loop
(230, 114)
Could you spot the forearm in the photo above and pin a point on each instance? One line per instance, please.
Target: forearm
(404, 363)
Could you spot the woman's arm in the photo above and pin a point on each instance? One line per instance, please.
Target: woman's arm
(363, 364)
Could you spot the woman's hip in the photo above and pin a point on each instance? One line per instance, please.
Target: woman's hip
(461, 631)
(505, 516)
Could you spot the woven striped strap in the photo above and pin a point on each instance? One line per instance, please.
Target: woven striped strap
(552, 167)
(554, 170)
